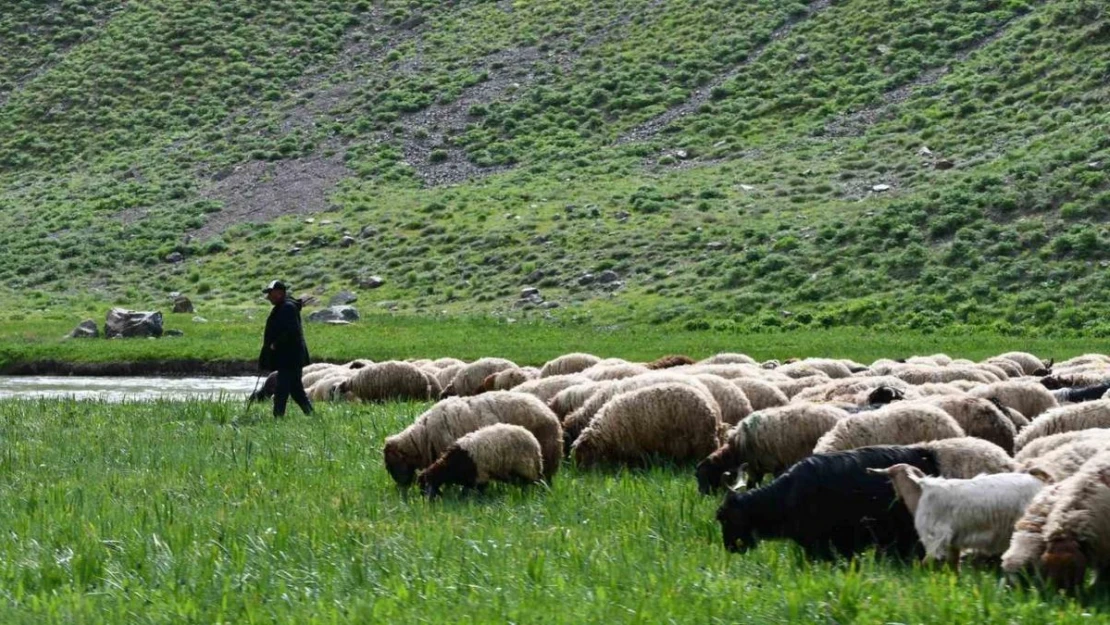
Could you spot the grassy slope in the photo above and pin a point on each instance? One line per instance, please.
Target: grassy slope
(176, 513)
(112, 147)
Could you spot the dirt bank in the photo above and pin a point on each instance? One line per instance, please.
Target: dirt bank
(187, 367)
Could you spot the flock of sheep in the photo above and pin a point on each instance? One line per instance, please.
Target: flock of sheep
(1006, 457)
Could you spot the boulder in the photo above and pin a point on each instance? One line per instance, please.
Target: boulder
(608, 276)
(334, 313)
(122, 323)
(586, 279)
(175, 257)
(87, 329)
(529, 291)
(343, 298)
(372, 282)
(182, 304)
(944, 164)
(174, 333)
(881, 188)
(346, 241)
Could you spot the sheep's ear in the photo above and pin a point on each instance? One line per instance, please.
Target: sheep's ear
(875, 471)
(743, 468)
(1041, 475)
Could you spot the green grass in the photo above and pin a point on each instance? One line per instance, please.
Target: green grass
(190, 513)
(400, 337)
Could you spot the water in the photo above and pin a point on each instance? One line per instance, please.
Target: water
(123, 389)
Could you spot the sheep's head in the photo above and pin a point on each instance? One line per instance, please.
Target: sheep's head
(737, 529)
(906, 479)
(586, 452)
(448, 391)
(711, 474)
(1052, 383)
(1063, 563)
(771, 364)
(1046, 369)
(401, 467)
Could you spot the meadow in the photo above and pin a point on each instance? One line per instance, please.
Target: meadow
(195, 512)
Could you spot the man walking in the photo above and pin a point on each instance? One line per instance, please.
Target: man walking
(284, 349)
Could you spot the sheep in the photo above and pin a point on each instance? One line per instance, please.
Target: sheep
(443, 363)
(964, 458)
(726, 358)
(917, 374)
(896, 424)
(420, 444)
(1085, 359)
(385, 381)
(314, 376)
(571, 398)
(1060, 380)
(502, 452)
(435, 389)
(1041, 446)
(793, 387)
(468, 381)
(828, 504)
(955, 514)
(770, 364)
(1012, 368)
(732, 401)
(505, 379)
(768, 441)
(802, 369)
(1077, 531)
(674, 421)
(604, 373)
(1027, 542)
(316, 366)
(980, 418)
(577, 421)
(1028, 398)
(1080, 394)
(848, 389)
(1029, 363)
(994, 370)
(762, 395)
(269, 387)
(547, 388)
(327, 389)
(357, 364)
(669, 362)
(1064, 461)
(445, 375)
(1092, 414)
(938, 388)
(834, 369)
(567, 364)
(734, 371)
(419, 362)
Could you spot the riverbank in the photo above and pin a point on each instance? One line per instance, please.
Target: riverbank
(225, 347)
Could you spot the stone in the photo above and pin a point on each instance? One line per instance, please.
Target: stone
(175, 257)
(925, 151)
(1095, 165)
(535, 276)
(608, 276)
(540, 239)
(881, 188)
(87, 329)
(367, 232)
(182, 304)
(622, 216)
(613, 286)
(347, 241)
(681, 154)
(343, 298)
(586, 279)
(550, 305)
(944, 164)
(371, 282)
(199, 319)
(174, 333)
(529, 291)
(318, 241)
(334, 313)
(716, 245)
(388, 305)
(294, 251)
(747, 187)
(122, 323)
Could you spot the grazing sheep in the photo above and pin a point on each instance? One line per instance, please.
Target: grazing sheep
(468, 381)
(445, 375)
(675, 421)
(791, 388)
(768, 441)
(316, 366)
(895, 424)
(994, 370)
(443, 363)
(1092, 414)
(606, 373)
(918, 374)
(572, 398)
(419, 362)
(435, 389)
(762, 395)
(327, 389)
(502, 452)
(577, 421)
(1064, 461)
(939, 388)
(1028, 398)
(1085, 359)
(951, 515)
(1061, 380)
(856, 368)
(1029, 363)
(1011, 368)
(505, 379)
(269, 387)
(1077, 531)
(669, 362)
(387, 381)
(980, 418)
(726, 358)
(1027, 543)
(567, 364)
(547, 388)
(314, 376)
(849, 389)
(420, 444)
(803, 369)
(732, 401)
(734, 371)
(829, 504)
(1080, 394)
(1045, 444)
(834, 369)
(964, 458)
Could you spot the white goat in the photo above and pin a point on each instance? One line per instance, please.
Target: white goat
(953, 515)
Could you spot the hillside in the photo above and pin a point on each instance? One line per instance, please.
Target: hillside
(738, 164)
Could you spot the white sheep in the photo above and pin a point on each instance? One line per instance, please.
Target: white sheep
(1092, 414)
(388, 381)
(894, 424)
(726, 358)
(1030, 364)
(762, 395)
(732, 401)
(468, 381)
(502, 452)
(951, 515)
(1045, 444)
(568, 364)
(547, 388)
(1029, 398)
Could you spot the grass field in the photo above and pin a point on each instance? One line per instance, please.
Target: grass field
(193, 513)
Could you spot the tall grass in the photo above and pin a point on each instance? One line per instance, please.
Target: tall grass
(194, 512)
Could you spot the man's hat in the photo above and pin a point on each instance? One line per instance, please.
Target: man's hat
(276, 285)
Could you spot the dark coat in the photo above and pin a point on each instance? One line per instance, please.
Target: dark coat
(283, 345)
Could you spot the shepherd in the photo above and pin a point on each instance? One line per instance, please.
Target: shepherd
(284, 349)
